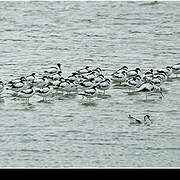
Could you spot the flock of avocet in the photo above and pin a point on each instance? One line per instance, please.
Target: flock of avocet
(88, 82)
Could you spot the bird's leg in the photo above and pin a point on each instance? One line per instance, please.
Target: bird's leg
(161, 94)
(104, 92)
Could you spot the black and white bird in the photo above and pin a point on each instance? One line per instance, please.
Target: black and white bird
(64, 85)
(104, 85)
(149, 72)
(119, 76)
(55, 84)
(54, 70)
(167, 70)
(148, 75)
(74, 77)
(56, 76)
(97, 71)
(89, 93)
(157, 80)
(133, 82)
(162, 74)
(99, 78)
(40, 81)
(18, 86)
(1, 87)
(124, 68)
(27, 93)
(30, 78)
(87, 84)
(89, 76)
(84, 70)
(133, 120)
(176, 69)
(17, 80)
(133, 72)
(44, 91)
(146, 120)
(149, 87)
(68, 86)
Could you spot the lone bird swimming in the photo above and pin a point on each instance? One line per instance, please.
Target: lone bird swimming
(147, 121)
(134, 120)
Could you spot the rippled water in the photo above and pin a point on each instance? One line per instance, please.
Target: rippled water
(66, 132)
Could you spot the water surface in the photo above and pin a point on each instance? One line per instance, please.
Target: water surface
(66, 131)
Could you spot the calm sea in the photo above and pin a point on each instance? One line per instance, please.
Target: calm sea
(66, 131)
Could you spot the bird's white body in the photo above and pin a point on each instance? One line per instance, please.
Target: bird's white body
(45, 91)
(83, 70)
(133, 120)
(40, 82)
(18, 86)
(134, 72)
(119, 77)
(176, 68)
(55, 77)
(146, 120)
(53, 70)
(27, 93)
(68, 86)
(89, 93)
(86, 84)
(98, 79)
(104, 85)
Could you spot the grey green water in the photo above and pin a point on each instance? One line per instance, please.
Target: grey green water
(66, 132)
